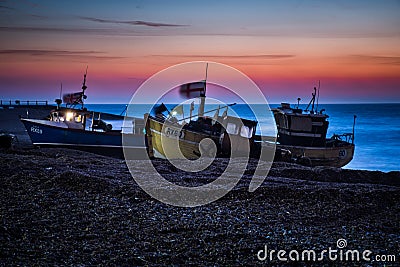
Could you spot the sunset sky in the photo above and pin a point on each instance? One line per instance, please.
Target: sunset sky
(353, 47)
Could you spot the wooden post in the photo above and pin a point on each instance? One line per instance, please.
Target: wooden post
(148, 137)
(354, 125)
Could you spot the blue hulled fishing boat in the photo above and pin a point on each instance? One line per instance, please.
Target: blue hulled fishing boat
(74, 128)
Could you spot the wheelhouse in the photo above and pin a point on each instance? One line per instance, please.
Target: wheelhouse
(72, 118)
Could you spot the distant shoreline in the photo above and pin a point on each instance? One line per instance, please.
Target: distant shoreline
(50, 103)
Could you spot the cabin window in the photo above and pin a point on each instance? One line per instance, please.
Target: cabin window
(54, 117)
(246, 131)
(57, 117)
(301, 124)
(281, 121)
(232, 128)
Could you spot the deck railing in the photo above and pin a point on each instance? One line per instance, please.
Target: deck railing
(23, 102)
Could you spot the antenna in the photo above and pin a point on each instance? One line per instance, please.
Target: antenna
(61, 90)
(319, 85)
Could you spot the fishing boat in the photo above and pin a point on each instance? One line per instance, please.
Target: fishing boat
(77, 128)
(303, 134)
(209, 136)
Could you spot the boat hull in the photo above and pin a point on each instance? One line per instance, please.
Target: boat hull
(321, 156)
(165, 137)
(188, 142)
(104, 143)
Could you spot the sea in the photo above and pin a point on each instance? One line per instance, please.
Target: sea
(377, 128)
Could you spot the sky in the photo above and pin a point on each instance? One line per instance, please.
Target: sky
(285, 47)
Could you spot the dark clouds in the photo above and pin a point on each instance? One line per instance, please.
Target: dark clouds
(6, 7)
(393, 60)
(58, 53)
(133, 22)
(264, 56)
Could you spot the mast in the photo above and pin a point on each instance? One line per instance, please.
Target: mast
(61, 90)
(84, 87)
(312, 101)
(203, 95)
(205, 81)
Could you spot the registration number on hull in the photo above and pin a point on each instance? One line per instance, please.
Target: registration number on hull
(173, 132)
(342, 153)
(36, 129)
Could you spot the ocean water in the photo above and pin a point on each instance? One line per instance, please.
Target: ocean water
(377, 128)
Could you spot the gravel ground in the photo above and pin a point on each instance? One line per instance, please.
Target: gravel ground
(66, 207)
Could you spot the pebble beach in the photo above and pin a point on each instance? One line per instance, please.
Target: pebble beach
(67, 207)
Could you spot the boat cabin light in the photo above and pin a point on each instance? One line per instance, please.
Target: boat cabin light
(78, 118)
(69, 116)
